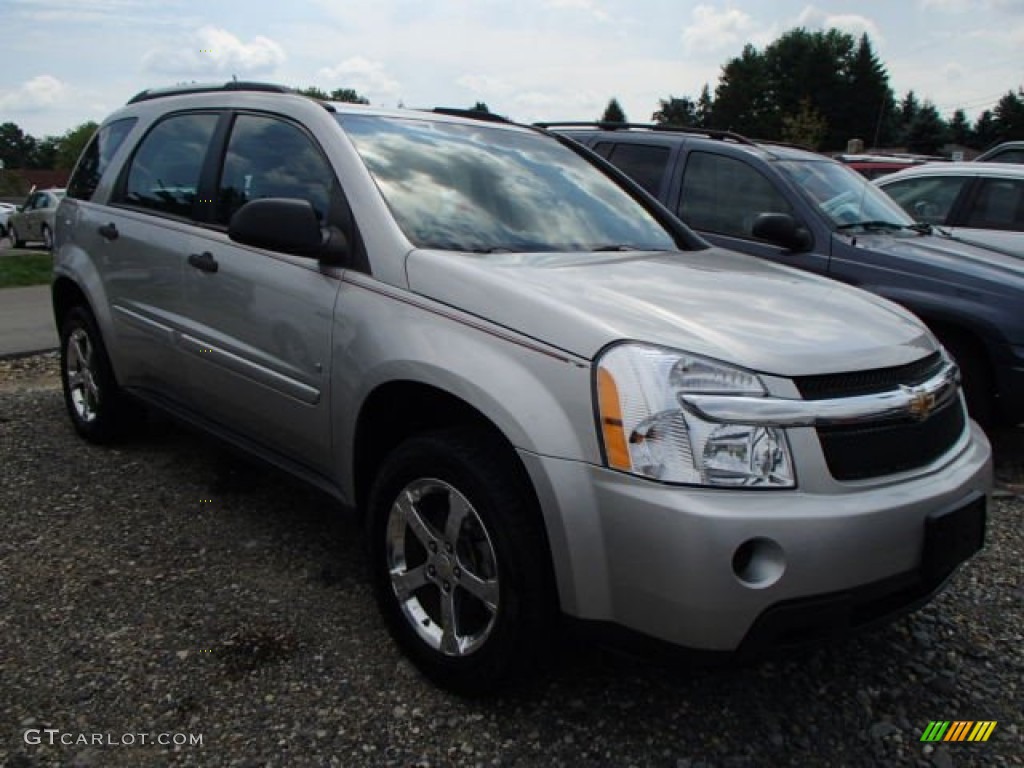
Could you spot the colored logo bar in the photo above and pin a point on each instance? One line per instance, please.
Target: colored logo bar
(958, 730)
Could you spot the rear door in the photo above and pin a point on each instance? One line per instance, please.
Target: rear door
(144, 238)
(993, 214)
(258, 342)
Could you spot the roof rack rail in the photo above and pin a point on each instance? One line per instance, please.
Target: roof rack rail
(232, 85)
(609, 126)
(473, 114)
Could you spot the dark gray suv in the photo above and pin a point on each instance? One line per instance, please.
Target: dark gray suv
(805, 210)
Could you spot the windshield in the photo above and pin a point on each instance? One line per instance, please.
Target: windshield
(847, 198)
(483, 189)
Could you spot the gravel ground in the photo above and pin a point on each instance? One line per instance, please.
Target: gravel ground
(168, 587)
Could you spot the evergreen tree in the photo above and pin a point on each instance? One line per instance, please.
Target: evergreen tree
(959, 129)
(1009, 116)
(985, 132)
(705, 108)
(928, 131)
(613, 113)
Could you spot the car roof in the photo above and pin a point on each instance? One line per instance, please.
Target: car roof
(998, 149)
(993, 170)
(640, 133)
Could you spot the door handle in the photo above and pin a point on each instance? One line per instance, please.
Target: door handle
(203, 261)
(108, 231)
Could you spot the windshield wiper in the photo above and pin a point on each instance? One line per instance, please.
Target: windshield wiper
(922, 228)
(872, 224)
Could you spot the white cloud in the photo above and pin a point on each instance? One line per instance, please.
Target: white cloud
(713, 30)
(954, 71)
(367, 77)
(39, 93)
(850, 23)
(216, 51)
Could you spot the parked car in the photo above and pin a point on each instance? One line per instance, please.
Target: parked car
(34, 220)
(540, 390)
(978, 203)
(799, 208)
(1007, 152)
(876, 166)
(6, 209)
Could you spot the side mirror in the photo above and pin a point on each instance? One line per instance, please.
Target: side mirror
(783, 230)
(288, 225)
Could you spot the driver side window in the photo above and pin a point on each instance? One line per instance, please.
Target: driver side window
(724, 195)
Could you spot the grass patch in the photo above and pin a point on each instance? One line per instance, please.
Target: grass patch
(22, 267)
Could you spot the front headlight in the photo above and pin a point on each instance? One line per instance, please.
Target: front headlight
(645, 430)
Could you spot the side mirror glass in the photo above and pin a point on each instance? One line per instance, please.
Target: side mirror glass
(285, 224)
(783, 230)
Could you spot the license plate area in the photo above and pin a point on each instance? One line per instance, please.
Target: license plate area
(951, 537)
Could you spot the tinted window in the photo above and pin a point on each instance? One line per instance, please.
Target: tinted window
(96, 158)
(164, 173)
(725, 195)
(268, 157)
(1007, 156)
(928, 199)
(482, 188)
(999, 204)
(644, 164)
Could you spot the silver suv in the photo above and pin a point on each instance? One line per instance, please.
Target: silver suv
(546, 396)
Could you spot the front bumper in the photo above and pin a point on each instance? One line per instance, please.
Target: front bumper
(677, 563)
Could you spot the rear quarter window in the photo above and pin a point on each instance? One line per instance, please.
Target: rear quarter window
(97, 156)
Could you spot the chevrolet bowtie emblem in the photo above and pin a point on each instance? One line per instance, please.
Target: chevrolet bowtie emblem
(921, 403)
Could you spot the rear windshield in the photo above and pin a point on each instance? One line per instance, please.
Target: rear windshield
(483, 189)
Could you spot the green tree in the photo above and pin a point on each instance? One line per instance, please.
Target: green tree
(705, 107)
(71, 144)
(480, 107)
(1009, 116)
(985, 131)
(338, 94)
(741, 97)
(960, 129)
(673, 111)
(348, 95)
(16, 147)
(613, 113)
(45, 154)
(868, 109)
(807, 127)
(928, 131)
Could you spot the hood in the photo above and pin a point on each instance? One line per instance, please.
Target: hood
(938, 253)
(713, 302)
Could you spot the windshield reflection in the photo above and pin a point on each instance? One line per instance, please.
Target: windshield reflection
(847, 198)
(483, 189)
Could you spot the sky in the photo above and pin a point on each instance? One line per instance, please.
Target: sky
(63, 62)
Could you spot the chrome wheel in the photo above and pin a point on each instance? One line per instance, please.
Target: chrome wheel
(47, 239)
(442, 567)
(80, 368)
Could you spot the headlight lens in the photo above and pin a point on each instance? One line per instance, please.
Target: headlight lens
(646, 431)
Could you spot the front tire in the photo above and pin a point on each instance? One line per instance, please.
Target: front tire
(98, 408)
(47, 238)
(460, 560)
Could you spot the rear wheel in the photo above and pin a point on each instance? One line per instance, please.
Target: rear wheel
(460, 560)
(98, 408)
(16, 241)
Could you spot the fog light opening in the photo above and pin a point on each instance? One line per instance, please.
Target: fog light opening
(758, 563)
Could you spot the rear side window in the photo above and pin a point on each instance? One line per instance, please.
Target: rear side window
(96, 158)
(163, 175)
(999, 205)
(642, 163)
(269, 157)
(929, 198)
(725, 195)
